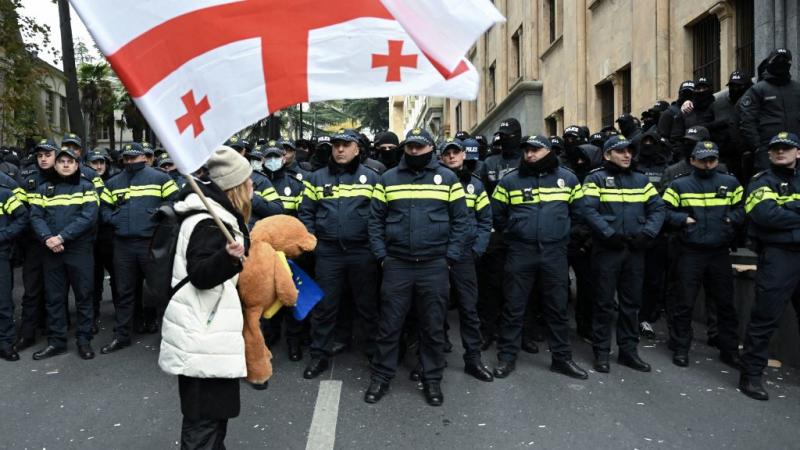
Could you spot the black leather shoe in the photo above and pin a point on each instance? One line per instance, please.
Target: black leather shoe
(24, 343)
(568, 368)
(113, 346)
(479, 371)
(601, 364)
(339, 348)
(314, 368)
(504, 369)
(85, 351)
(680, 359)
(9, 354)
(260, 387)
(529, 346)
(752, 388)
(433, 394)
(632, 360)
(48, 352)
(732, 359)
(295, 352)
(375, 391)
(415, 374)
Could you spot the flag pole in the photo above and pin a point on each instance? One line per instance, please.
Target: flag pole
(190, 179)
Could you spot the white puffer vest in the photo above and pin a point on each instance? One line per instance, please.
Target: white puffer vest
(201, 335)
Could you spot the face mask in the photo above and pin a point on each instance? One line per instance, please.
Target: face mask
(779, 68)
(703, 100)
(705, 173)
(419, 161)
(647, 149)
(133, 167)
(255, 164)
(273, 164)
(388, 157)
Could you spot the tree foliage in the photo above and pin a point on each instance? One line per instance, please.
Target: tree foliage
(98, 99)
(372, 113)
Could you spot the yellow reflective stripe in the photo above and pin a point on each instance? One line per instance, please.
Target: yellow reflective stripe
(738, 194)
(11, 205)
(632, 195)
(591, 190)
(378, 193)
(759, 195)
(309, 191)
(342, 191)
(289, 202)
(482, 202)
(671, 197)
(98, 182)
(471, 200)
(577, 193)
(20, 194)
(456, 192)
(269, 194)
(106, 196)
(67, 200)
(540, 195)
(500, 194)
(417, 195)
(412, 187)
(168, 188)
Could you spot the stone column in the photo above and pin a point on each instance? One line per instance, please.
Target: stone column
(727, 40)
(664, 88)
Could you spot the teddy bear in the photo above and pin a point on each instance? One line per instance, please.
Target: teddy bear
(266, 280)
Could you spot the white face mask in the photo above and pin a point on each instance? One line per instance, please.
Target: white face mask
(255, 164)
(273, 164)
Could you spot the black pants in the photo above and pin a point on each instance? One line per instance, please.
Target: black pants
(464, 291)
(203, 434)
(337, 274)
(424, 285)
(655, 276)
(103, 262)
(581, 263)
(131, 267)
(74, 266)
(33, 310)
(712, 270)
(621, 272)
(6, 302)
(490, 286)
(777, 283)
(524, 265)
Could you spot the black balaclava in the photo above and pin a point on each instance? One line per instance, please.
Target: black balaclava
(736, 91)
(704, 173)
(627, 126)
(703, 100)
(510, 135)
(544, 165)
(778, 66)
(418, 162)
(135, 167)
(684, 96)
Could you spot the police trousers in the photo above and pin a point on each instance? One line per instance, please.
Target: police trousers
(6, 302)
(73, 267)
(525, 264)
(131, 262)
(33, 310)
(339, 273)
(464, 291)
(619, 271)
(425, 286)
(711, 269)
(777, 283)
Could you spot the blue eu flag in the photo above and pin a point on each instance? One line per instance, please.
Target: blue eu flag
(309, 292)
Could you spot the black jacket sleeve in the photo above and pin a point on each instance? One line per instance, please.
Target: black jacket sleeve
(207, 262)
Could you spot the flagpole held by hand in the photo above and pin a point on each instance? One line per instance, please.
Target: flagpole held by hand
(190, 179)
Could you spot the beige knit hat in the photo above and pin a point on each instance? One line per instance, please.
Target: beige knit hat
(227, 168)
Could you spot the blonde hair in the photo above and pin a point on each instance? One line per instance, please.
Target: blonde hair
(240, 199)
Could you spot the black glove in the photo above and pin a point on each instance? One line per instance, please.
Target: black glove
(616, 240)
(641, 241)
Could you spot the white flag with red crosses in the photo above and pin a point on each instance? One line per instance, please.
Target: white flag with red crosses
(200, 70)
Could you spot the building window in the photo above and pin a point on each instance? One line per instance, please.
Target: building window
(104, 133)
(515, 52)
(490, 86)
(605, 93)
(49, 107)
(745, 38)
(625, 76)
(551, 124)
(62, 113)
(551, 10)
(458, 118)
(706, 39)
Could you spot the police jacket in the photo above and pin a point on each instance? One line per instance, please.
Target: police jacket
(297, 172)
(480, 214)
(536, 206)
(13, 218)
(265, 200)
(714, 202)
(768, 108)
(496, 167)
(14, 185)
(773, 206)
(622, 202)
(94, 177)
(289, 187)
(336, 205)
(66, 207)
(418, 215)
(132, 196)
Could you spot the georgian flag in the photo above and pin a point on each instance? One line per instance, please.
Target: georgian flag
(200, 70)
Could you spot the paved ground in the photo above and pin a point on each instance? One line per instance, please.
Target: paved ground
(123, 401)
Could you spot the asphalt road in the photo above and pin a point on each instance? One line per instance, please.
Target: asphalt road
(123, 401)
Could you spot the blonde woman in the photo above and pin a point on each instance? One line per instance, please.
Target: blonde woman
(202, 331)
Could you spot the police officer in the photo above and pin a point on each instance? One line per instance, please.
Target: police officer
(149, 154)
(532, 208)
(13, 222)
(706, 205)
(290, 162)
(463, 275)
(63, 216)
(335, 208)
(626, 214)
(165, 163)
(129, 200)
(667, 118)
(73, 142)
(104, 244)
(416, 227)
(33, 251)
(266, 201)
(387, 148)
(773, 206)
(289, 187)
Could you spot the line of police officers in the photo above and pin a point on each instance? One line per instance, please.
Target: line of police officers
(402, 245)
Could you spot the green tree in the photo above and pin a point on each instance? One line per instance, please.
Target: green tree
(372, 113)
(97, 97)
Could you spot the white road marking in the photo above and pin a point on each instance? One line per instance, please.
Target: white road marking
(322, 433)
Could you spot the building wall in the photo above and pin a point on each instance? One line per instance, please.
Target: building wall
(595, 41)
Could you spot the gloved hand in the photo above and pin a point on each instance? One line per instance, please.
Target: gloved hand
(616, 240)
(641, 241)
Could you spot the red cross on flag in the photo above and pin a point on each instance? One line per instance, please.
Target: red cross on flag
(200, 70)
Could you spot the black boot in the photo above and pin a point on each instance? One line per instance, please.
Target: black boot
(752, 388)
(568, 368)
(433, 394)
(504, 368)
(632, 360)
(375, 391)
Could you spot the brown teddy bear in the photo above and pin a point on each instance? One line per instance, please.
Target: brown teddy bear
(267, 279)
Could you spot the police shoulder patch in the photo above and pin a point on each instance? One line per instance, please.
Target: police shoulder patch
(596, 169)
(746, 100)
